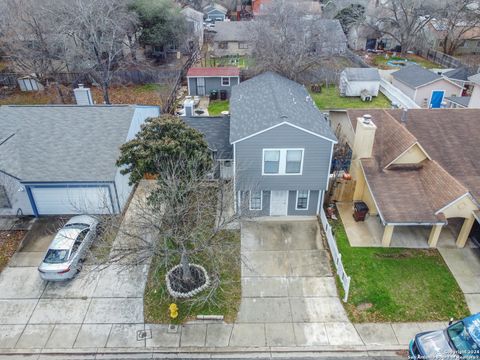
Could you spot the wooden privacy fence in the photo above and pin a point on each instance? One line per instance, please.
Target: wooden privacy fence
(337, 257)
(443, 59)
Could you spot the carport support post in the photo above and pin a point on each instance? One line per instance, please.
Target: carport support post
(387, 235)
(434, 235)
(465, 231)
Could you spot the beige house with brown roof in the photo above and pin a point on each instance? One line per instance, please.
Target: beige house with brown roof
(416, 168)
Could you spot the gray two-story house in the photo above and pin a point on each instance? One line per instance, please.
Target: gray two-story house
(282, 148)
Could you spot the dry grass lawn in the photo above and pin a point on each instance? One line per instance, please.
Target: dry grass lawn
(9, 241)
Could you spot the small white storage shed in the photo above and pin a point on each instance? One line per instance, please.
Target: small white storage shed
(354, 81)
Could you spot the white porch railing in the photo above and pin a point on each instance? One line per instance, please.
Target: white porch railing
(337, 257)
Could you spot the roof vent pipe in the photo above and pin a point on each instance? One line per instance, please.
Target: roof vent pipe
(404, 116)
(367, 118)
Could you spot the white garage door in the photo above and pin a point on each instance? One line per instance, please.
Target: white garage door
(74, 200)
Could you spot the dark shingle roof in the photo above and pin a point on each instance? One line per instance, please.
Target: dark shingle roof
(362, 74)
(231, 31)
(415, 194)
(270, 99)
(216, 131)
(415, 76)
(63, 143)
(462, 73)
(461, 100)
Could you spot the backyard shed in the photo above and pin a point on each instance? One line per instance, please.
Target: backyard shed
(201, 81)
(354, 81)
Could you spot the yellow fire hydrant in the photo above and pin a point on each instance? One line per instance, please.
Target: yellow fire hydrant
(173, 310)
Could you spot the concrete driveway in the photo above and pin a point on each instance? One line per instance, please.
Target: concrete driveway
(288, 287)
(83, 312)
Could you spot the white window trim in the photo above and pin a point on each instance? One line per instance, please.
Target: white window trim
(225, 77)
(250, 201)
(308, 202)
(282, 165)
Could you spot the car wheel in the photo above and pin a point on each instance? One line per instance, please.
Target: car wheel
(79, 267)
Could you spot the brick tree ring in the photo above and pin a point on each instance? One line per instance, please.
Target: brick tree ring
(178, 289)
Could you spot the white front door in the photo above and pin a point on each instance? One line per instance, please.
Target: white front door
(278, 203)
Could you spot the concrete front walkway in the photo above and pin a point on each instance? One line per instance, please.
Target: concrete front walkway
(465, 267)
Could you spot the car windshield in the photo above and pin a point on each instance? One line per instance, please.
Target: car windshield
(56, 256)
(461, 339)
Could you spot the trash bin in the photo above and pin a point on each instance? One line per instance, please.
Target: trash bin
(360, 210)
(223, 94)
(213, 95)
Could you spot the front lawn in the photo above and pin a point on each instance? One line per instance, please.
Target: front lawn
(400, 285)
(330, 98)
(224, 301)
(216, 107)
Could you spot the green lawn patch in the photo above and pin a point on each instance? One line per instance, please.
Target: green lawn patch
(330, 98)
(224, 301)
(239, 61)
(216, 107)
(381, 62)
(402, 285)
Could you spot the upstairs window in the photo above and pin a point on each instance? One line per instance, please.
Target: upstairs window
(271, 161)
(282, 161)
(294, 161)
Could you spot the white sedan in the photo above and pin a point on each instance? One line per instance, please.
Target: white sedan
(63, 259)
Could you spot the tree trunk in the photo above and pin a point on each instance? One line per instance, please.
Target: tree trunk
(186, 273)
(60, 93)
(106, 96)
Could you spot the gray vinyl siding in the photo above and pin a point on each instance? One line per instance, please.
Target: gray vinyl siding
(312, 203)
(245, 205)
(211, 83)
(316, 161)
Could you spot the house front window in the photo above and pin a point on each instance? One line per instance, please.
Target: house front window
(303, 197)
(294, 161)
(271, 161)
(225, 81)
(243, 45)
(282, 161)
(223, 45)
(255, 200)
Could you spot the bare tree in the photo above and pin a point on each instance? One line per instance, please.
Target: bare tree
(100, 33)
(458, 18)
(289, 41)
(29, 37)
(402, 20)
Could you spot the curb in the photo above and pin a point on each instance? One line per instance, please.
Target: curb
(214, 351)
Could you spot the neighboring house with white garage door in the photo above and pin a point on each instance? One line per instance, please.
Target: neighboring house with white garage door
(61, 159)
(282, 148)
